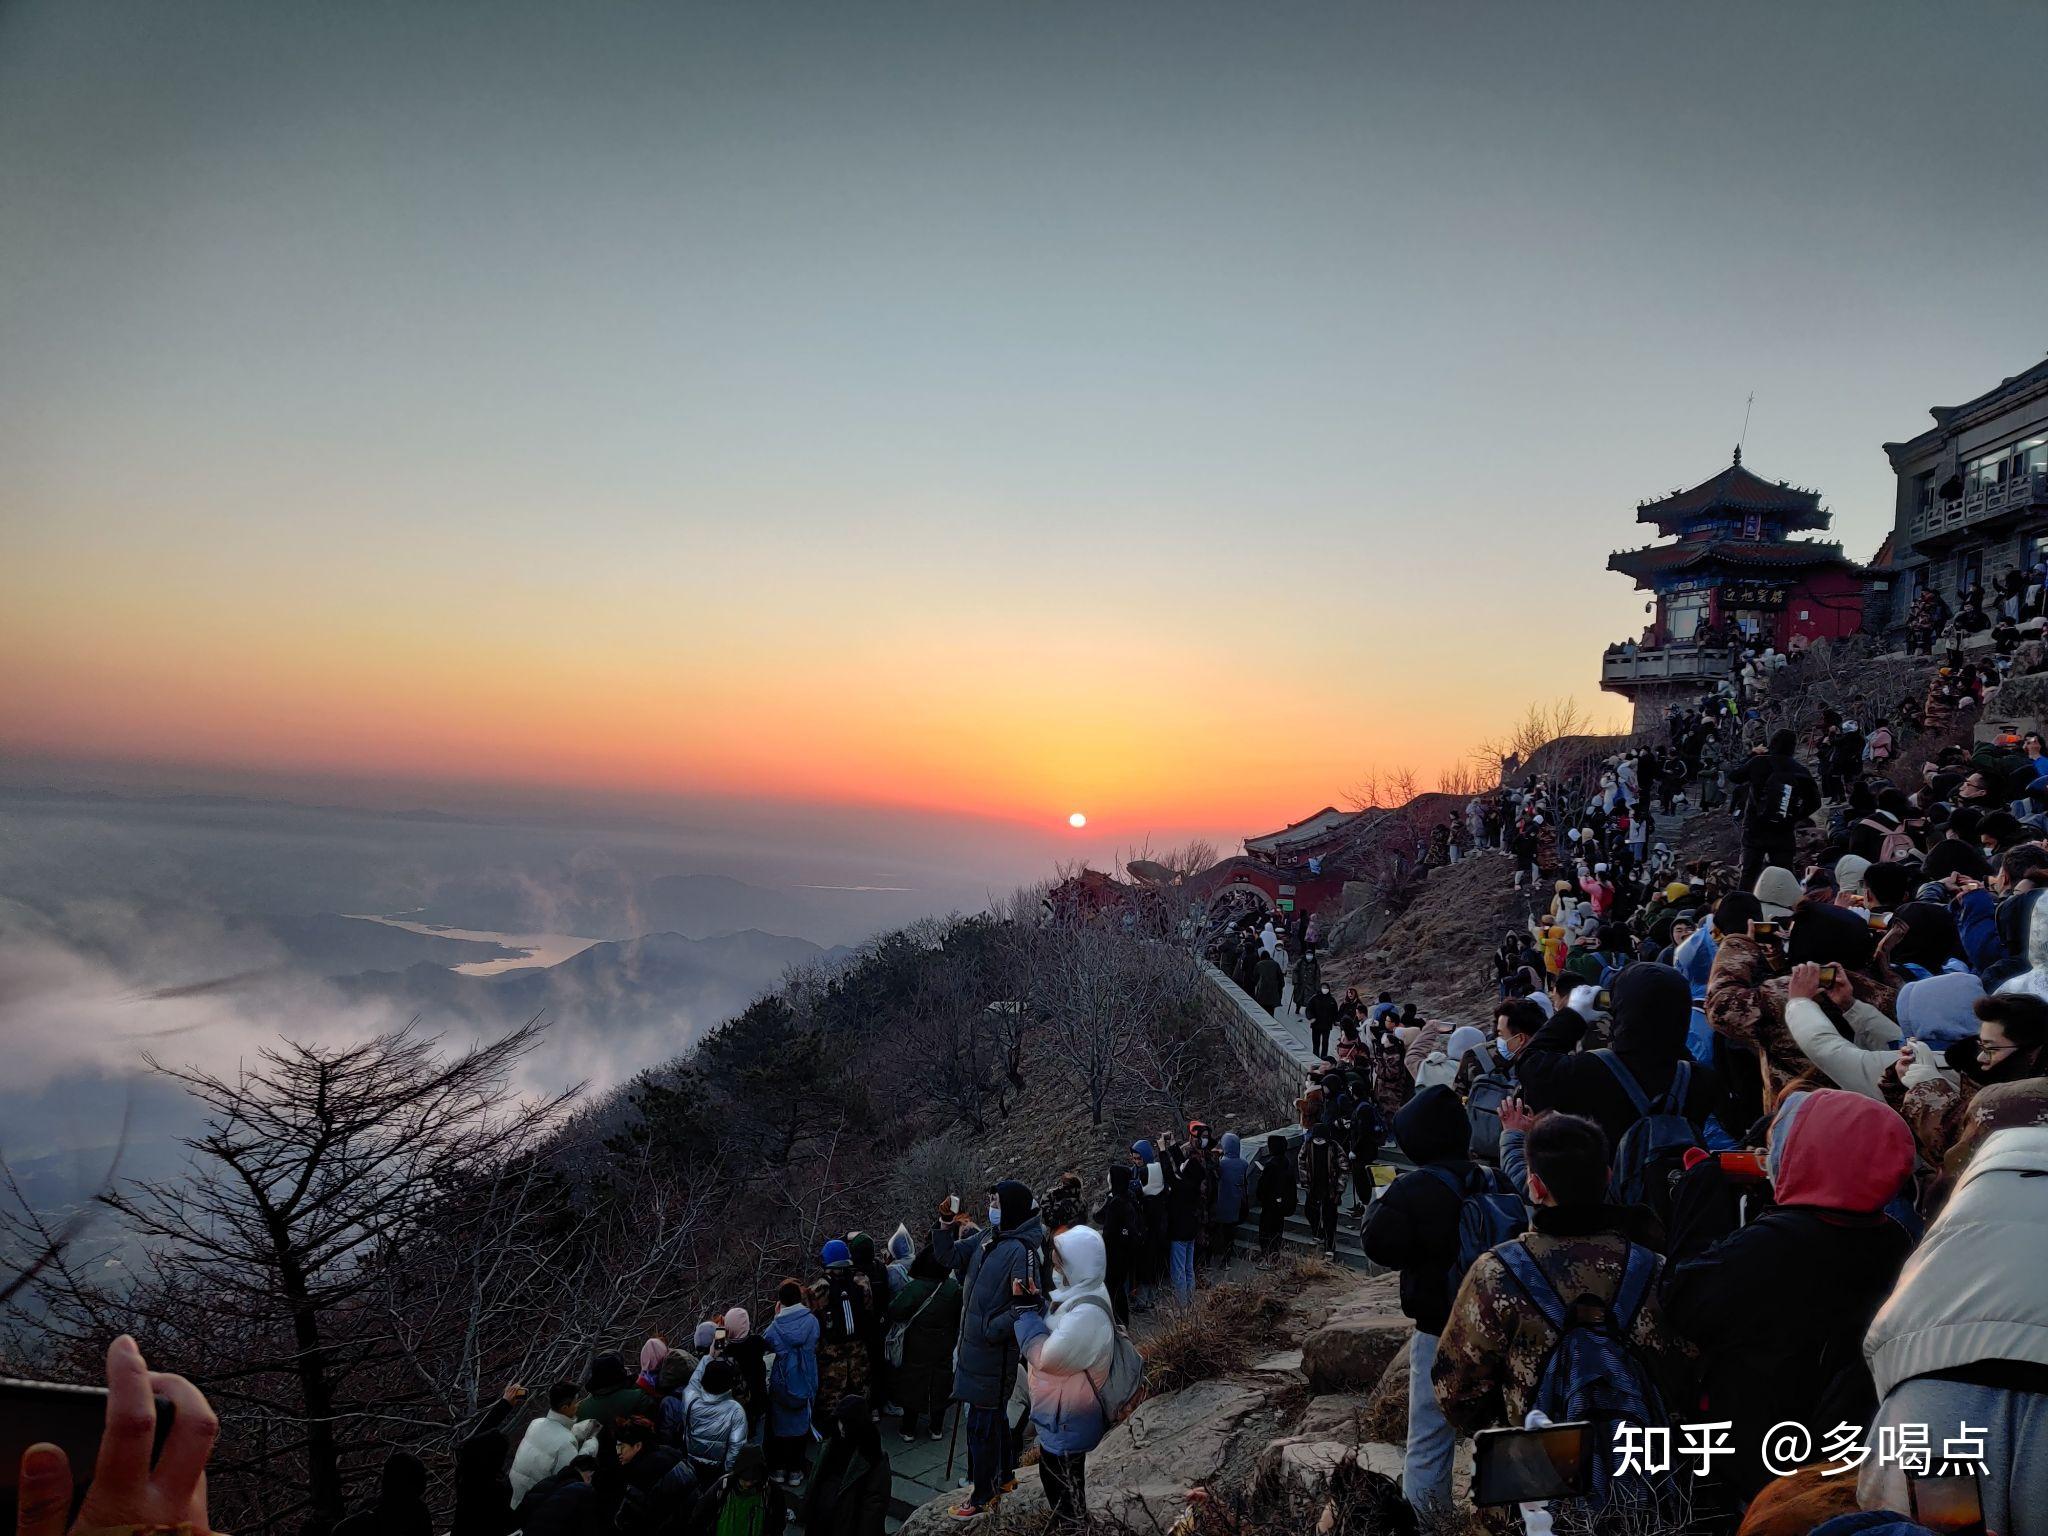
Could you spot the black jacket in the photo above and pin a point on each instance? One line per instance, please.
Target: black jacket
(1413, 1227)
(848, 1494)
(1760, 824)
(1188, 1193)
(1778, 1309)
(1652, 1008)
(1122, 1225)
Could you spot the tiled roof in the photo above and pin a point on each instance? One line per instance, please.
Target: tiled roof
(1736, 554)
(1738, 491)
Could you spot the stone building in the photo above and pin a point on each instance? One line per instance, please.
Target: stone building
(1972, 494)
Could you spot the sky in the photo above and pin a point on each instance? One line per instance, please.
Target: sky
(1171, 412)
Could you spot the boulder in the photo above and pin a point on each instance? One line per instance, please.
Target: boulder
(1144, 1467)
(1384, 1415)
(1350, 1352)
(1333, 1416)
(1303, 1464)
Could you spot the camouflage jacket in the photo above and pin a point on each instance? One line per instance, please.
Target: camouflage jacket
(1493, 1349)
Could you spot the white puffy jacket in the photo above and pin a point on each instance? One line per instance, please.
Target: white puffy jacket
(551, 1442)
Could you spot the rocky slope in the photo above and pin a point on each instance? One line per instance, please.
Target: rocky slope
(1328, 1384)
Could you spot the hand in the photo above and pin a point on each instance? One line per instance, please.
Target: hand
(1805, 982)
(1906, 1059)
(1842, 990)
(125, 1489)
(515, 1394)
(1515, 1117)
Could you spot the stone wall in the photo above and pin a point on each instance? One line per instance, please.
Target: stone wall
(1274, 1062)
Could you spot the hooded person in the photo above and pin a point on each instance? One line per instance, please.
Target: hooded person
(400, 1508)
(1651, 1013)
(849, 1492)
(1940, 1010)
(748, 1352)
(793, 1335)
(902, 1252)
(1233, 1175)
(1322, 1167)
(1963, 1338)
(1777, 1308)
(1269, 981)
(925, 1317)
(1413, 1227)
(652, 1353)
(1002, 1277)
(1830, 935)
(1069, 1349)
(1277, 1192)
(1121, 1222)
(2034, 980)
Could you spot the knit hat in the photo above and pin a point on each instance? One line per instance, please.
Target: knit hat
(1849, 870)
(1676, 890)
(1778, 891)
(720, 1375)
(737, 1323)
(608, 1373)
(836, 1253)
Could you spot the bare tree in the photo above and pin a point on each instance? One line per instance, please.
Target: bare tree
(317, 1168)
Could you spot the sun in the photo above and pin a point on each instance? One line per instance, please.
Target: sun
(1077, 820)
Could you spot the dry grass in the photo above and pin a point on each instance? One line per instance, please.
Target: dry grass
(1222, 1330)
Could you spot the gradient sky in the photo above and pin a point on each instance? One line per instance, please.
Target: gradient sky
(1164, 410)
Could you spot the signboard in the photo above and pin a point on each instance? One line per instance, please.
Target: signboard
(1755, 594)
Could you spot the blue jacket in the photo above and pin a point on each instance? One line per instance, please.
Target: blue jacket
(793, 1379)
(1232, 1171)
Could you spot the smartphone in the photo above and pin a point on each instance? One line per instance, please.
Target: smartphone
(1952, 1505)
(1763, 930)
(1830, 974)
(953, 1203)
(718, 1338)
(1528, 1466)
(1604, 1000)
(69, 1418)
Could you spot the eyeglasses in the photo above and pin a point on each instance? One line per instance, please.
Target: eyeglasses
(1984, 1048)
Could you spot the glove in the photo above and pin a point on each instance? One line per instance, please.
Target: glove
(1924, 1068)
(1583, 1002)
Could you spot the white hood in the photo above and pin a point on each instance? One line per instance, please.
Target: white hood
(1082, 1334)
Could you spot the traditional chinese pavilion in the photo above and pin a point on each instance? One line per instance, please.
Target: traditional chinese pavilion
(1731, 576)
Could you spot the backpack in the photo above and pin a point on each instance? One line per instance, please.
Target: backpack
(1482, 1107)
(1491, 1212)
(1119, 1383)
(892, 1345)
(1893, 843)
(1592, 1372)
(1772, 804)
(846, 1310)
(1652, 1151)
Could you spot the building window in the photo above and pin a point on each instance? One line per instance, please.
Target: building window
(1684, 612)
(1923, 492)
(1969, 571)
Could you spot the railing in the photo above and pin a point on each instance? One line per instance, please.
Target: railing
(1666, 663)
(2020, 494)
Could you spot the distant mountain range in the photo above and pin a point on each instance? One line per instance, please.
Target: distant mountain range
(660, 981)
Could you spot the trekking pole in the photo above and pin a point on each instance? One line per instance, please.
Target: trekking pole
(953, 1446)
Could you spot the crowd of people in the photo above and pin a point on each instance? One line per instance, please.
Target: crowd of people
(1774, 1139)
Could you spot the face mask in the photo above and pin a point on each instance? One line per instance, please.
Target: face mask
(995, 1215)
(1506, 1048)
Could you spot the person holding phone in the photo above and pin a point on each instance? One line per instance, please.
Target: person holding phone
(135, 1482)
